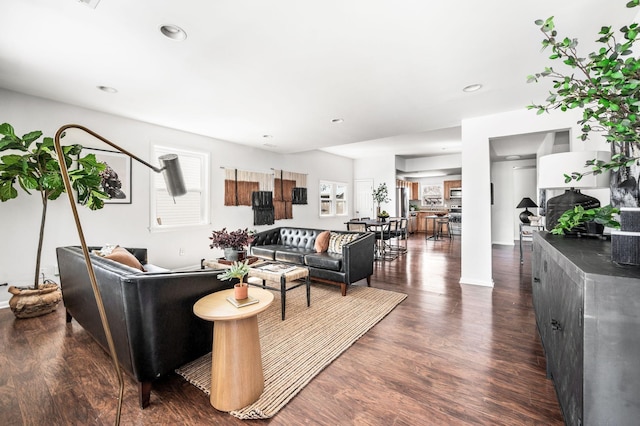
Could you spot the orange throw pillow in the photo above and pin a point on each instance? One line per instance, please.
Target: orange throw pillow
(322, 242)
(122, 255)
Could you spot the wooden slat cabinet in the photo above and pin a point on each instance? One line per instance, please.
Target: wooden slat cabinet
(415, 191)
(412, 224)
(586, 310)
(422, 225)
(448, 184)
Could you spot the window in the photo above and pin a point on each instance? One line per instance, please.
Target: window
(333, 199)
(189, 209)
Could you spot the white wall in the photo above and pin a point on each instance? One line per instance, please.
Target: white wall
(509, 187)
(127, 224)
(380, 169)
(450, 161)
(476, 132)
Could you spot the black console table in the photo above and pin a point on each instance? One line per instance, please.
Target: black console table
(588, 315)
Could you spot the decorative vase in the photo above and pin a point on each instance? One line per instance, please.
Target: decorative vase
(233, 254)
(241, 291)
(29, 302)
(561, 203)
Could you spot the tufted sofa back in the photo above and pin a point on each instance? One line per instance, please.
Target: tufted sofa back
(299, 237)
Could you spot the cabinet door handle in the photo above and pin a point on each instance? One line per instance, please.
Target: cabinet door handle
(555, 325)
(536, 279)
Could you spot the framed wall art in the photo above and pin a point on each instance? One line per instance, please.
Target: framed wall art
(116, 178)
(432, 196)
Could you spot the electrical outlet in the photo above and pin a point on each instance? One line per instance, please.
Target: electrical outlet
(181, 252)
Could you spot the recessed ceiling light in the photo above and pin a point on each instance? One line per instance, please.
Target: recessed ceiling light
(512, 157)
(108, 89)
(173, 32)
(472, 88)
(337, 120)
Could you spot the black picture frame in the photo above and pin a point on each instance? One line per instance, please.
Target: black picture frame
(119, 189)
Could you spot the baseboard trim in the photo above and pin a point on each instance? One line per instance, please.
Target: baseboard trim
(4, 305)
(476, 282)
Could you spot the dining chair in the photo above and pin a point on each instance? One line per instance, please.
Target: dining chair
(441, 223)
(400, 232)
(359, 227)
(383, 234)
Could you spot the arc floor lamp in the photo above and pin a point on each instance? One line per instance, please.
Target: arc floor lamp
(175, 186)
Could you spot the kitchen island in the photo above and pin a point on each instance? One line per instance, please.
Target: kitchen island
(425, 224)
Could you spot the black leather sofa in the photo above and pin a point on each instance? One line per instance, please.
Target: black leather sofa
(296, 245)
(150, 314)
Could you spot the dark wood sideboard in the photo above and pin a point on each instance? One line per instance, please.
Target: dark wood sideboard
(588, 315)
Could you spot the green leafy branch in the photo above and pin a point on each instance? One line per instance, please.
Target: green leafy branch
(578, 216)
(606, 88)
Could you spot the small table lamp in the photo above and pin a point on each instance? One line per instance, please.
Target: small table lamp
(525, 203)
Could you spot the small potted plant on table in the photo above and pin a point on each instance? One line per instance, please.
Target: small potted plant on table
(381, 195)
(237, 270)
(232, 243)
(590, 222)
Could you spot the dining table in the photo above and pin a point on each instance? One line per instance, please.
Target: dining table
(378, 227)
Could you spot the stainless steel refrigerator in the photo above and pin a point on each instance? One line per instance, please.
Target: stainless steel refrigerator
(402, 202)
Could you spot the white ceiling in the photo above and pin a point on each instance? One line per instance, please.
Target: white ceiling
(392, 70)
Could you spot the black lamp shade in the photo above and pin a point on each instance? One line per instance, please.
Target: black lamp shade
(525, 203)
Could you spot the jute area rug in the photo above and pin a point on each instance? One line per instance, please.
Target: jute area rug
(294, 351)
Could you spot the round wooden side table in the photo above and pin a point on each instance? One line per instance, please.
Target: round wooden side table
(237, 379)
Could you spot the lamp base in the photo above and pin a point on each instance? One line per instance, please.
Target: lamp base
(524, 216)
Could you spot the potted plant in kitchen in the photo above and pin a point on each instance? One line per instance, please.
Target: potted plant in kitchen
(237, 270)
(232, 243)
(381, 195)
(37, 169)
(586, 222)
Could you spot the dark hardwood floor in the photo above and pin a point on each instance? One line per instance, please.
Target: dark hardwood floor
(450, 354)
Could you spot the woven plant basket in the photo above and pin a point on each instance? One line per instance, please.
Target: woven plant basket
(29, 302)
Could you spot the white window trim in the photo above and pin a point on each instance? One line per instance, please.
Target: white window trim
(205, 185)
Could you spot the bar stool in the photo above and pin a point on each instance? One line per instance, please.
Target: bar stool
(440, 223)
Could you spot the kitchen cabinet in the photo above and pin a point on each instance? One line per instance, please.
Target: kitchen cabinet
(586, 309)
(412, 224)
(413, 188)
(448, 184)
(415, 191)
(424, 224)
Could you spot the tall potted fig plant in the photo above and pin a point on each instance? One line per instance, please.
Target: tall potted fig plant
(33, 166)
